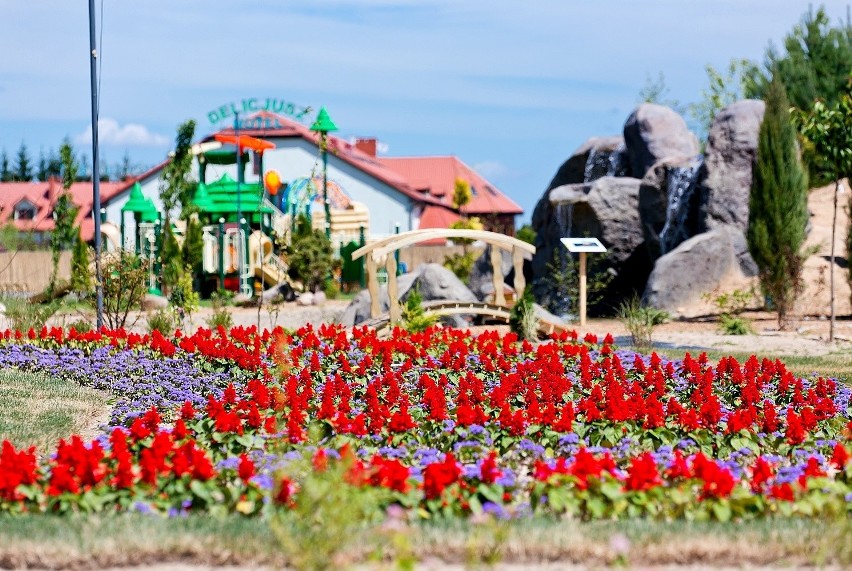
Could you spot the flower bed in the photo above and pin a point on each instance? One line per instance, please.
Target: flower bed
(443, 423)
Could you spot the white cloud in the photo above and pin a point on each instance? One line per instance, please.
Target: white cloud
(491, 169)
(129, 135)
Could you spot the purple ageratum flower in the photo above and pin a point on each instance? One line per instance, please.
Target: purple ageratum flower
(476, 430)
(230, 463)
(528, 445)
(449, 425)
(495, 510)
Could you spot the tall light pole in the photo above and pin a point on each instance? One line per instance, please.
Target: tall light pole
(324, 125)
(96, 174)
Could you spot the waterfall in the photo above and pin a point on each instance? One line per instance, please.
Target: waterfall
(617, 165)
(680, 185)
(605, 162)
(564, 213)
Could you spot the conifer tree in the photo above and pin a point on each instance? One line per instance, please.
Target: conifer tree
(778, 210)
(193, 245)
(23, 167)
(81, 278)
(64, 211)
(5, 171)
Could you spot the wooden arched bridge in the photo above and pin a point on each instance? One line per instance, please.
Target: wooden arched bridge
(380, 253)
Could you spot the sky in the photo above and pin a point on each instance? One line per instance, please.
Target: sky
(511, 87)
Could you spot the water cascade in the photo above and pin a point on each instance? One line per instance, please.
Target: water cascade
(605, 162)
(679, 188)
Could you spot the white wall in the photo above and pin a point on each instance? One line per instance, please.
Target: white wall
(296, 158)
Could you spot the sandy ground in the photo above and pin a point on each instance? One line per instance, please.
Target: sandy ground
(441, 566)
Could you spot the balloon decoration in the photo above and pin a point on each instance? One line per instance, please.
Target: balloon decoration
(272, 181)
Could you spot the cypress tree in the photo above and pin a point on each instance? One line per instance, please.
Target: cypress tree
(193, 246)
(81, 278)
(778, 210)
(23, 167)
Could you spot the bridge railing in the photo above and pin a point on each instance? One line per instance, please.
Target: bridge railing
(380, 253)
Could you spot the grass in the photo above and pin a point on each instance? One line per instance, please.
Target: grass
(132, 539)
(837, 365)
(38, 410)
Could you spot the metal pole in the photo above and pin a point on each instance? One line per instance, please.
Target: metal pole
(582, 289)
(222, 253)
(241, 233)
(325, 184)
(96, 174)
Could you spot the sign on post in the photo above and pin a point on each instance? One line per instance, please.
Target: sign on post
(583, 246)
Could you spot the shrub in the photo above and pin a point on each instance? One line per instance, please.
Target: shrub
(81, 277)
(640, 321)
(124, 276)
(183, 298)
(733, 325)
(161, 320)
(310, 259)
(461, 264)
(414, 317)
(331, 289)
(523, 321)
(221, 314)
(563, 282)
(24, 315)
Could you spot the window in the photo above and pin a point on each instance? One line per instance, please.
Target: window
(25, 210)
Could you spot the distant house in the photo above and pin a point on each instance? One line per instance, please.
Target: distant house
(406, 193)
(28, 206)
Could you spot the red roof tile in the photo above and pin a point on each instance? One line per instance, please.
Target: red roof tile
(437, 176)
(43, 196)
(437, 217)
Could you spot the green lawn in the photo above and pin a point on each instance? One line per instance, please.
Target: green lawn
(135, 539)
(38, 410)
(837, 364)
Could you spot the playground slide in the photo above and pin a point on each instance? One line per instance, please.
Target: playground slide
(113, 235)
(271, 275)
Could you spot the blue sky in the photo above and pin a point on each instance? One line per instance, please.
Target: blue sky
(511, 87)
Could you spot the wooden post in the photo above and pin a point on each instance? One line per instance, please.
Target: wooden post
(393, 296)
(373, 287)
(518, 264)
(497, 274)
(582, 289)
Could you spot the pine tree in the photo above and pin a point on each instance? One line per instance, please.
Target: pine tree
(778, 210)
(23, 167)
(41, 174)
(5, 171)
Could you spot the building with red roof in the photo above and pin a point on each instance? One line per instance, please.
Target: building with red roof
(399, 194)
(29, 205)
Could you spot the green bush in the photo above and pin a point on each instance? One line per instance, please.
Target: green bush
(461, 264)
(523, 321)
(563, 282)
(161, 320)
(310, 259)
(183, 298)
(414, 317)
(24, 315)
(640, 321)
(331, 289)
(124, 277)
(221, 314)
(734, 325)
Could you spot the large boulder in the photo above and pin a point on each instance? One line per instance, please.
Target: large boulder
(607, 209)
(596, 158)
(698, 266)
(725, 181)
(481, 281)
(654, 132)
(433, 281)
(669, 204)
